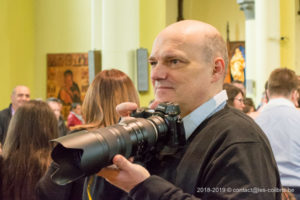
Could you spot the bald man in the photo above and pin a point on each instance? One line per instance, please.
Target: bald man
(227, 156)
(20, 94)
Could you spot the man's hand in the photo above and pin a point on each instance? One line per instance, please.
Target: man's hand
(124, 175)
(154, 104)
(124, 109)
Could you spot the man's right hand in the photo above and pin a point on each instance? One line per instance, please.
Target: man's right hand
(124, 109)
(124, 174)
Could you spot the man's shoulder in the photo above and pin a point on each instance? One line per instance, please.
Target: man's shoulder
(279, 112)
(5, 113)
(233, 118)
(234, 126)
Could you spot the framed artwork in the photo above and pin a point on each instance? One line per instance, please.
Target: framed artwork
(237, 61)
(67, 78)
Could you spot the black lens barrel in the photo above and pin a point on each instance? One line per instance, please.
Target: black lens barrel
(87, 152)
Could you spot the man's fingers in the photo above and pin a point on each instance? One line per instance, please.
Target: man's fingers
(124, 109)
(154, 104)
(121, 162)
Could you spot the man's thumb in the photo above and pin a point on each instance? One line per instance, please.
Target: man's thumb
(121, 162)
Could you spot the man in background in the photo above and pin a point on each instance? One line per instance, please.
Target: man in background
(280, 120)
(56, 105)
(20, 94)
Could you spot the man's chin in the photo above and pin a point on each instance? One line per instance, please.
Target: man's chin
(162, 99)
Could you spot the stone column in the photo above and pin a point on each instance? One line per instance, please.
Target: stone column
(248, 7)
(267, 32)
(120, 35)
(262, 43)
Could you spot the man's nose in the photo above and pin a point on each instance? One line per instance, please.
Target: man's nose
(159, 72)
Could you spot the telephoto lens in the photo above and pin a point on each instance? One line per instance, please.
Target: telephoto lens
(86, 152)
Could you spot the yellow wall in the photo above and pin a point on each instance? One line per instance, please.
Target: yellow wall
(62, 27)
(16, 47)
(152, 21)
(218, 13)
(287, 30)
(297, 37)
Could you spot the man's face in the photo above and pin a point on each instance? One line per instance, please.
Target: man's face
(179, 73)
(19, 96)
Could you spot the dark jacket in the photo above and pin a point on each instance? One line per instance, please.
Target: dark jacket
(5, 117)
(227, 157)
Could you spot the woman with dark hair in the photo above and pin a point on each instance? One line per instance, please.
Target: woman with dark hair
(26, 151)
(249, 106)
(109, 88)
(235, 96)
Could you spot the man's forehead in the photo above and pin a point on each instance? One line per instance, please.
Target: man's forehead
(174, 48)
(22, 89)
(167, 54)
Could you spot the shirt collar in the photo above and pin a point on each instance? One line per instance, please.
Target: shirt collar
(281, 101)
(12, 111)
(195, 118)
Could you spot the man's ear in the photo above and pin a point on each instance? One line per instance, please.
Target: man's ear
(218, 70)
(295, 97)
(267, 95)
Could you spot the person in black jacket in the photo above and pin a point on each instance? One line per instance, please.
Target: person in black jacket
(227, 156)
(20, 94)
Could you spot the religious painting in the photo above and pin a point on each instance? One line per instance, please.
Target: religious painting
(67, 78)
(237, 62)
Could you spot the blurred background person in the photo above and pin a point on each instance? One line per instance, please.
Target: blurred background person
(239, 84)
(249, 106)
(235, 96)
(26, 151)
(20, 94)
(280, 120)
(56, 106)
(75, 116)
(109, 88)
(264, 98)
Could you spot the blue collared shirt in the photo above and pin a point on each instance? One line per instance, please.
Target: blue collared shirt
(195, 118)
(280, 120)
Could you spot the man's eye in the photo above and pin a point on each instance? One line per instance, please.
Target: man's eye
(153, 63)
(174, 61)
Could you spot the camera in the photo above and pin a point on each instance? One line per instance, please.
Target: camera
(147, 132)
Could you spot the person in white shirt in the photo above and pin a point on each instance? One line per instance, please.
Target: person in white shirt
(280, 120)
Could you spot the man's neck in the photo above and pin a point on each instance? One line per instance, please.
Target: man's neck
(280, 97)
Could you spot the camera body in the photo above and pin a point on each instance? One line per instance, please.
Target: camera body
(170, 112)
(149, 131)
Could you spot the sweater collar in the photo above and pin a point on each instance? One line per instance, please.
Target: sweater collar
(204, 111)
